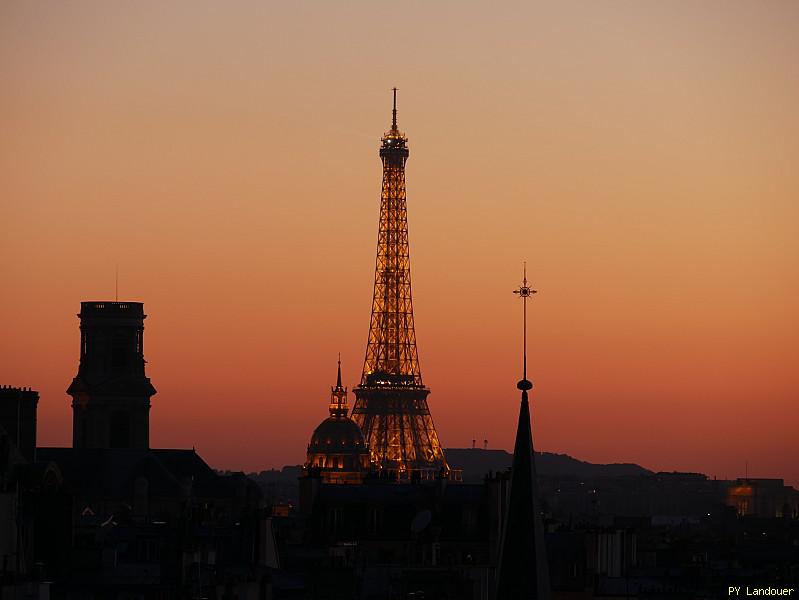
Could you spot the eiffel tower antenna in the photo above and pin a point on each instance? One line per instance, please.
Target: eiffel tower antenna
(394, 112)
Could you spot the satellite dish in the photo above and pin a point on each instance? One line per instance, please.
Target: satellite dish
(421, 520)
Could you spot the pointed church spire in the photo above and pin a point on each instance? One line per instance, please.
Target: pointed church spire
(522, 571)
(338, 396)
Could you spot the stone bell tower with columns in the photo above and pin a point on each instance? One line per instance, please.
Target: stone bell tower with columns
(111, 393)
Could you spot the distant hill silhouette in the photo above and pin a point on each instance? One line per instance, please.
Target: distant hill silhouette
(280, 485)
(476, 463)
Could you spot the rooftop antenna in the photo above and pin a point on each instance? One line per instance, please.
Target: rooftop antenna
(394, 112)
(525, 291)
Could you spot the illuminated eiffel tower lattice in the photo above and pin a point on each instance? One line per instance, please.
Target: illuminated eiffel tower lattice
(391, 400)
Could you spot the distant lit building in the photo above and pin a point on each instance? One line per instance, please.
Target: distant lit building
(763, 498)
(337, 449)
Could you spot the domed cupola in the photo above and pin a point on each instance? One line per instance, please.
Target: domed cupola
(337, 447)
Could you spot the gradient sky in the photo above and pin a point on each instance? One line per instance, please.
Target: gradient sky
(641, 156)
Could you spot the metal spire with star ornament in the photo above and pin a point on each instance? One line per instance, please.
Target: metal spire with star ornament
(522, 571)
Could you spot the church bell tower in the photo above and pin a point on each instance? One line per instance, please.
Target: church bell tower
(111, 393)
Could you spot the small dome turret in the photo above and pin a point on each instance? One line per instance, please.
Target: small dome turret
(337, 448)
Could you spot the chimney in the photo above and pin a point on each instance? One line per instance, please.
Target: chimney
(18, 418)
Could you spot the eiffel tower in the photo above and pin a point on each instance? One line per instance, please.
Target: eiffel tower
(391, 400)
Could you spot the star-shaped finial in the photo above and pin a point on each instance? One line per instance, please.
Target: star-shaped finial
(525, 291)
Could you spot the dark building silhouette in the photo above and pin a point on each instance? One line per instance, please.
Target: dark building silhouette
(18, 474)
(391, 401)
(150, 524)
(337, 450)
(111, 393)
(382, 539)
(18, 419)
(111, 518)
(610, 531)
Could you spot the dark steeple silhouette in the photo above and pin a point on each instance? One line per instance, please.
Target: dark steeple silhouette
(522, 571)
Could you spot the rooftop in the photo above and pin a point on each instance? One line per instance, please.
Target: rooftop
(111, 309)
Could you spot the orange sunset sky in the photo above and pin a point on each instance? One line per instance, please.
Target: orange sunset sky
(643, 157)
